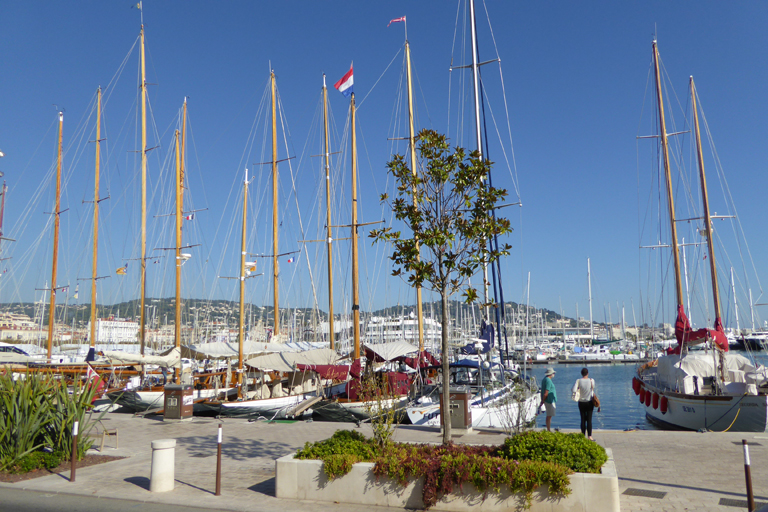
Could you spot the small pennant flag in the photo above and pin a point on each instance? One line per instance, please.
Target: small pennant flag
(396, 20)
(191, 216)
(77, 291)
(122, 270)
(65, 289)
(290, 260)
(344, 86)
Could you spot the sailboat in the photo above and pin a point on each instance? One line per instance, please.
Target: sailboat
(718, 390)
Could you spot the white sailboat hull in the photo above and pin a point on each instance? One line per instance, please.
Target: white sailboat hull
(138, 401)
(744, 413)
(491, 412)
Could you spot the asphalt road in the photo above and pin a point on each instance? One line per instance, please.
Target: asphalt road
(20, 500)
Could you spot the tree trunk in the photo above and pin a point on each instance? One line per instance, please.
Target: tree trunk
(446, 415)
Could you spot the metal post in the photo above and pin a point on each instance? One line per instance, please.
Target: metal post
(748, 476)
(74, 453)
(218, 465)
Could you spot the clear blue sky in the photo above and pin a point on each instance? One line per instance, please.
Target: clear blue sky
(575, 77)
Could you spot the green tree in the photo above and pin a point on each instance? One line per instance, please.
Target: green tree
(448, 208)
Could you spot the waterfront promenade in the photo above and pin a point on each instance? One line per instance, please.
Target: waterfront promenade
(696, 471)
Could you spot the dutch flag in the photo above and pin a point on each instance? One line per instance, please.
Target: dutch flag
(344, 85)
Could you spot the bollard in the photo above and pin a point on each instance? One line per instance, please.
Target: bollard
(161, 476)
(73, 461)
(218, 465)
(748, 476)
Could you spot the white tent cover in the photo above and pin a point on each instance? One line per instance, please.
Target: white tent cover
(673, 369)
(287, 361)
(226, 350)
(169, 359)
(392, 350)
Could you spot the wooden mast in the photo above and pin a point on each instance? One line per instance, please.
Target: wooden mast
(414, 163)
(143, 293)
(56, 212)
(274, 206)
(95, 219)
(668, 175)
(177, 311)
(355, 292)
(705, 198)
(331, 333)
(240, 330)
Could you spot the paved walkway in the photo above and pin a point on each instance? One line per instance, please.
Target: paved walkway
(695, 470)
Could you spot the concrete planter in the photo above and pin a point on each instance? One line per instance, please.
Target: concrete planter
(305, 480)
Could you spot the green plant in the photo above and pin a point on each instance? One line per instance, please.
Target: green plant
(573, 451)
(340, 451)
(38, 410)
(380, 405)
(443, 467)
(36, 460)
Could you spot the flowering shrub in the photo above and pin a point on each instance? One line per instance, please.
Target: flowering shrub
(445, 468)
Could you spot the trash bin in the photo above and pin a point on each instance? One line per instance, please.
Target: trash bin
(178, 402)
(460, 414)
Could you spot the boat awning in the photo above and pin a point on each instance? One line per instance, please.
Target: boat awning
(225, 350)
(390, 351)
(288, 361)
(169, 359)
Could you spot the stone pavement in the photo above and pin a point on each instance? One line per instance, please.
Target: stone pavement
(694, 470)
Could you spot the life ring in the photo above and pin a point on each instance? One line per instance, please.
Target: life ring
(664, 404)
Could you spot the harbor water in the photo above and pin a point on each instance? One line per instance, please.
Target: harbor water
(620, 408)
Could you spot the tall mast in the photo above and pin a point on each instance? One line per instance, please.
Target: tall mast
(240, 333)
(668, 175)
(705, 198)
(274, 205)
(355, 293)
(177, 312)
(414, 163)
(589, 281)
(331, 333)
(95, 218)
(56, 212)
(478, 133)
(142, 327)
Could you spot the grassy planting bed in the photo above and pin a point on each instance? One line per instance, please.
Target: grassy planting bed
(521, 465)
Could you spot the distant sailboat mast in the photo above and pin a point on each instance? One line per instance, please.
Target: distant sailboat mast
(143, 278)
(274, 207)
(331, 333)
(95, 224)
(414, 164)
(56, 213)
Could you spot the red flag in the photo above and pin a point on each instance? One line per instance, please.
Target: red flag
(396, 20)
(92, 379)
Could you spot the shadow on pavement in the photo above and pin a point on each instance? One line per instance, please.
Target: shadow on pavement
(703, 489)
(266, 487)
(233, 448)
(140, 481)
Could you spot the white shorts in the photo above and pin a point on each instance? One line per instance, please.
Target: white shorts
(550, 409)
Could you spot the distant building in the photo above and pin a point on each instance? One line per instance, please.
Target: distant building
(115, 330)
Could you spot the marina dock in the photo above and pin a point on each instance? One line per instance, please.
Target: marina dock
(658, 470)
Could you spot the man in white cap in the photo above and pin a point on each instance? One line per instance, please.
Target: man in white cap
(549, 396)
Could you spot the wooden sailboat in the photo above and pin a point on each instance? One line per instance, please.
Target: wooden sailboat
(683, 390)
(285, 392)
